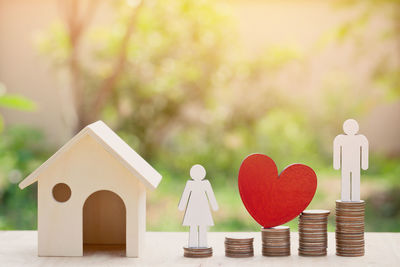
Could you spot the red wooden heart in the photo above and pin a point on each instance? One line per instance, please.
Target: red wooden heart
(273, 199)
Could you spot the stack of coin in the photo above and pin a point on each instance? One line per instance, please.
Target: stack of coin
(313, 236)
(239, 247)
(276, 241)
(350, 228)
(197, 252)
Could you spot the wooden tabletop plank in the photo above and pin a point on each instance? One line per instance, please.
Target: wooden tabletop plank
(18, 248)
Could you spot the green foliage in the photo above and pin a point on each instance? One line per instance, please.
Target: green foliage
(362, 31)
(54, 42)
(13, 101)
(16, 102)
(186, 94)
(22, 150)
(382, 211)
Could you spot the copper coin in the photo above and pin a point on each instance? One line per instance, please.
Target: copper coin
(276, 229)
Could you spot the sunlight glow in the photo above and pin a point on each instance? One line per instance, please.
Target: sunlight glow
(133, 3)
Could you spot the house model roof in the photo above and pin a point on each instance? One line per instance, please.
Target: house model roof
(117, 148)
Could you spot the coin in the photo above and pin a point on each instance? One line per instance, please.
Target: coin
(350, 228)
(313, 237)
(197, 252)
(275, 241)
(239, 247)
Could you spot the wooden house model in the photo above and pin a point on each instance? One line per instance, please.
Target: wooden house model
(92, 192)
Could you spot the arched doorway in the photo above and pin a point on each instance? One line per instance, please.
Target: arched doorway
(104, 223)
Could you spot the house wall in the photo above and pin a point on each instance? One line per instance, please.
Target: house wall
(86, 167)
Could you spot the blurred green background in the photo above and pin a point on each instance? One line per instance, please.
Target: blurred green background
(203, 81)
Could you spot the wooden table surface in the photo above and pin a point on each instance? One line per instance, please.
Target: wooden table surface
(18, 248)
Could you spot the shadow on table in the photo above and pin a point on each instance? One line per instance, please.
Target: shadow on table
(109, 250)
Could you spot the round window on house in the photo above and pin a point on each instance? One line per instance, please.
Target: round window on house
(61, 192)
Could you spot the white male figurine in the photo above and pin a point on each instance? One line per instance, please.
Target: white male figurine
(196, 198)
(350, 152)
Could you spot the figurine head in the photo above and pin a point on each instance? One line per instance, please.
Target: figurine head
(350, 127)
(197, 172)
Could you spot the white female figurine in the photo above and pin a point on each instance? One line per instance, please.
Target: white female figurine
(195, 198)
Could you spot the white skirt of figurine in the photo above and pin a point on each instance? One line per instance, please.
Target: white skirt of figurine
(198, 209)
